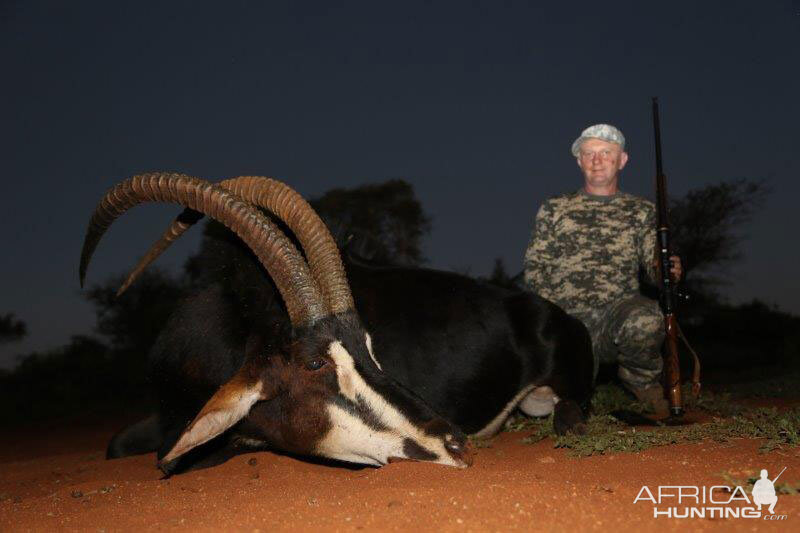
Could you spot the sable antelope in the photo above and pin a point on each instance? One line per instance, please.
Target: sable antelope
(472, 351)
(308, 385)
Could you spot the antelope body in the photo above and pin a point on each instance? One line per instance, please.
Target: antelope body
(437, 342)
(306, 385)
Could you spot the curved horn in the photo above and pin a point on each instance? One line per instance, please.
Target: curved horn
(184, 221)
(275, 251)
(283, 201)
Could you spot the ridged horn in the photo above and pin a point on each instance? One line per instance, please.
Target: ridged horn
(285, 203)
(275, 251)
(184, 221)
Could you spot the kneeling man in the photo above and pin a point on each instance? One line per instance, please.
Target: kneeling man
(585, 254)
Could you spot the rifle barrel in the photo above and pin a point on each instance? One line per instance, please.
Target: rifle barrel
(661, 181)
(779, 475)
(657, 128)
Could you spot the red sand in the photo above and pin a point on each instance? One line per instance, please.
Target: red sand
(55, 478)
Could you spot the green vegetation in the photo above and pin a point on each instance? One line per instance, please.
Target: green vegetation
(606, 435)
(729, 421)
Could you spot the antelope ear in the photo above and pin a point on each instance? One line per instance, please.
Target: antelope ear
(226, 407)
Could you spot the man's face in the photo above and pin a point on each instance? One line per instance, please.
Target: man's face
(601, 162)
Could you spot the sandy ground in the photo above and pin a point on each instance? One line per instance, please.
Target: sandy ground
(55, 478)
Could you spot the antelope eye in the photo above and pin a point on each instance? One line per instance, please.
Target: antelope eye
(316, 364)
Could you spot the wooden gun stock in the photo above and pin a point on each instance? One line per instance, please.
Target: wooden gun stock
(672, 368)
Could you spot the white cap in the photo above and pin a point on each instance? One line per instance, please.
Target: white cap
(604, 132)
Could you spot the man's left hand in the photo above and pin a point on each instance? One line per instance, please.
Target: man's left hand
(676, 269)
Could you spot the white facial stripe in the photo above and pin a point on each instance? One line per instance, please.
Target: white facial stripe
(371, 353)
(349, 429)
(494, 426)
(345, 434)
(351, 383)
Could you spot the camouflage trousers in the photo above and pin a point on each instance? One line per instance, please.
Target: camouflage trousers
(630, 333)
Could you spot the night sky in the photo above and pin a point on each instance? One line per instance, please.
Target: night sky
(475, 104)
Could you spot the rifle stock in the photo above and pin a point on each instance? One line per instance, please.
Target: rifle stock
(672, 370)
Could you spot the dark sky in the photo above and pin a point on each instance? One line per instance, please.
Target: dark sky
(475, 104)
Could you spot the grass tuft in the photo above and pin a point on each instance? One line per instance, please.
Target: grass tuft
(778, 429)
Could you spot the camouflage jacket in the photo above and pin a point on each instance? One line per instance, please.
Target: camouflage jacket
(586, 251)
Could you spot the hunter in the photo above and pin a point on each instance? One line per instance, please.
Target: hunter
(586, 251)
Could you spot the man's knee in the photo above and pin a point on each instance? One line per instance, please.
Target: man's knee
(639, 337)
(641, 326)
(640, 374)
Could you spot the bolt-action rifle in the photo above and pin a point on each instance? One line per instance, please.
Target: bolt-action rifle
(668, 289)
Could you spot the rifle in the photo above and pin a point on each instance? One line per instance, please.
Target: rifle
(779, 475)
(668, 292)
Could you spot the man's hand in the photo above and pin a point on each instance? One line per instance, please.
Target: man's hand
(676, 269)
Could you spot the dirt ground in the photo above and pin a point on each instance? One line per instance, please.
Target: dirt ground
(54, 477)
